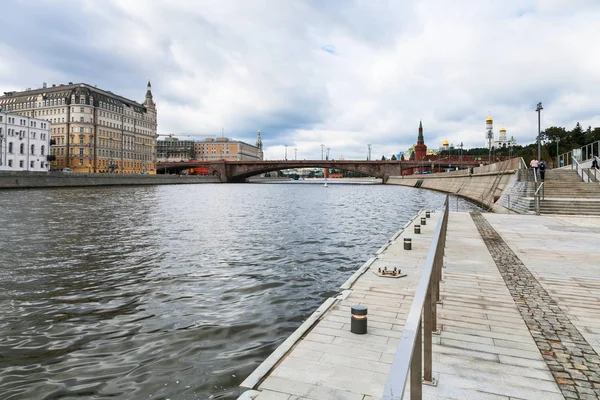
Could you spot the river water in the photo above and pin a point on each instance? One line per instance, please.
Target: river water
(174, 292)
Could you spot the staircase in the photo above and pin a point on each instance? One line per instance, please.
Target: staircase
(566, 193)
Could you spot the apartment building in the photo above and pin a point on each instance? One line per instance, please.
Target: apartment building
(92, 130)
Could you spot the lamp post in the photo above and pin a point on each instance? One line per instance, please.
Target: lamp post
(557, 156)
(1, 140)
(285, 145)
(328, 153)
(490, 136)
(369, 156)
(539, 145)
(295, 153)
(322, 147)
(461, 148)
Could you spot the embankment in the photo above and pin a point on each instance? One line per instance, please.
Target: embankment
(16, 180)
(484, 185)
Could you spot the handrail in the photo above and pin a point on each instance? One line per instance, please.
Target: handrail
(423, 312)
(538, 189)
(537, 198)
(577, 168)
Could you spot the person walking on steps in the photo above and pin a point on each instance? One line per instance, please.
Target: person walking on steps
(595, 163)
(542, 168)
(534, 165)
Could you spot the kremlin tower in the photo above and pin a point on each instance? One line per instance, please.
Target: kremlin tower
(420, 147)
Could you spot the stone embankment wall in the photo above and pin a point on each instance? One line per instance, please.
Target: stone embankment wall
(14, 180)
(485, 185)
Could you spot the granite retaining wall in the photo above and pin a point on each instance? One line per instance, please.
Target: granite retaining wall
(484, 185)
(15, 180)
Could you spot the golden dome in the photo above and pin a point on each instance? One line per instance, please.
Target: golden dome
(489, 119)
(503, 129)
(446, 143)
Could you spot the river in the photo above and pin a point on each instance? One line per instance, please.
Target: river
(174, 292)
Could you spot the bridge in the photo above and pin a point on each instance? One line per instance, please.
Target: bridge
(239, 171)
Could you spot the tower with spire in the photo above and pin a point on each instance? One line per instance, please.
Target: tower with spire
(152, 122)
(259, 146)
(420, 147)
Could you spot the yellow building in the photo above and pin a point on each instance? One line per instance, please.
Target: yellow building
(221, 148)
(92, 130)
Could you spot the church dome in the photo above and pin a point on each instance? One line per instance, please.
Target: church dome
(446, 143)
(489, 119)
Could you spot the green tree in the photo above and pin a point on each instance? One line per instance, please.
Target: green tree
(394, 157)
(578, 136)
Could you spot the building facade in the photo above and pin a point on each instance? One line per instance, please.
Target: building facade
(221, 148)
(501, 141)
(92, 130)
(24, 143)
(172, 149)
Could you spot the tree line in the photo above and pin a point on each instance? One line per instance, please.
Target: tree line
(567, 140)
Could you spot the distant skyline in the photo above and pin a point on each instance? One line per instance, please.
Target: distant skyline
(340, 73)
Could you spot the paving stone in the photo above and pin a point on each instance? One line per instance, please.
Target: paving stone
(561, 344)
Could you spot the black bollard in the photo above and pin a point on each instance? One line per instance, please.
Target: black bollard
(417, 229)
(423, 221)
(358, 319)
(427, 214)
(407, 244)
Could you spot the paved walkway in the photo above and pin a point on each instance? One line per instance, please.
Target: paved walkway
(486, 349)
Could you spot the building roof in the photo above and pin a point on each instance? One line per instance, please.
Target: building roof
(65, 91)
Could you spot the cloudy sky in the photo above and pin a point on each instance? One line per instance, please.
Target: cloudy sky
(308, 72)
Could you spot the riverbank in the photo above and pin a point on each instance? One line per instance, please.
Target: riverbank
(484, 186)
(511, 323)
(19, 180)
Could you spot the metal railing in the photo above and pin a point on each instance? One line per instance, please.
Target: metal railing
(414, 353)
(582, 154)
(538, 197)
(578, 168)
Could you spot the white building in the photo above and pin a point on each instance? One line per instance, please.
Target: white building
(502, 141)
(24, 143)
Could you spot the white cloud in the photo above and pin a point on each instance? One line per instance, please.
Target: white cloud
(343, 73)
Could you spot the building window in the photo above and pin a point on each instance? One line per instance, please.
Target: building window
(80, 152)
(10, 147)
(80, 119)
(31, 164)
(42, 149)
(81, 138)
(10, 163)
(33, 149)
(21, 164)
(82, 109)
(42, 165)
(22, 148)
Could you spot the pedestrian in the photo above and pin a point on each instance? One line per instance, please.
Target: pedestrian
(595, 163)
(542, 167)
(534, 165)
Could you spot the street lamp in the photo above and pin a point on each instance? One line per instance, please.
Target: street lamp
(461, 148)
(557, 156)
(322, 147)
(539, 145)
(295, 153)
(490, 136)
(328, 153)
(369, 156)
(285, 145)
(1, 140)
